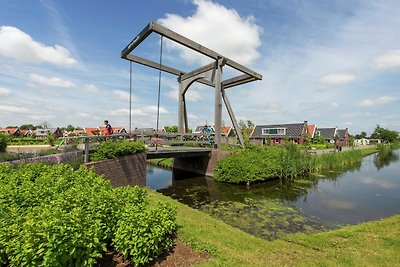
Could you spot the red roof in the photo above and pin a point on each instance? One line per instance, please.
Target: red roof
(311, 129)
(92, 131)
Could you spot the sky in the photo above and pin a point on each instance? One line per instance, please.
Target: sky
(332, 63)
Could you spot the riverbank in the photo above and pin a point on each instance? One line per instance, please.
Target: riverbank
(366, 244)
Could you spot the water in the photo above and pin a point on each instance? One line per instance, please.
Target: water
(366, 191)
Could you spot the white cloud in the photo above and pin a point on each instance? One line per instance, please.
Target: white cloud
(366, 103)
(14, 109)
(390, 59)
(16, 44)
(335, 79)
(150, 110)
(50, 81)
(91, 88)
(4, 91)
(41, 117)
(218, 28)
(123, 95)
(191, 95)
(83, 115)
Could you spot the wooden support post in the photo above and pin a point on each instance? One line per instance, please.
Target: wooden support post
(232, 116)
(86, 150)
(218, 104)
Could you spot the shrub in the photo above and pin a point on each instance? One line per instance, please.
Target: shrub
(289, 161)
(55, 216)
(141, 234)
(258, 164)
(3, 142)
(114, 149)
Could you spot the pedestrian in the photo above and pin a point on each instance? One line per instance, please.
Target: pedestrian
(108, 129)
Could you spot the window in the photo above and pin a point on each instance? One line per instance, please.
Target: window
(273, 131)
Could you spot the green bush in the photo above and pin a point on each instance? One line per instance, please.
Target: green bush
(262, 163)
(289, 161)
(55, 216)
(3, 142)
(27, 141)
(114, 149)
(141, 234)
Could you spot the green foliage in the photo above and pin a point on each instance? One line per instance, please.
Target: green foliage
(141, 234)
(386, 135)
(27, 141)
(113, 149)
(171, 129)
(263, 163)
(51, 138)
(3, 142)
(27, 127)
(319, 140)
(55, 216)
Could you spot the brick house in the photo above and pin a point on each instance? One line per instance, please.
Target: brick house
(278, 133)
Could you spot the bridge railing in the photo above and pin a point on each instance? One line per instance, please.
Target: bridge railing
(150, 138)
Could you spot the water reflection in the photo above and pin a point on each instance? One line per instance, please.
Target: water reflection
(384, 159)
(361, 192)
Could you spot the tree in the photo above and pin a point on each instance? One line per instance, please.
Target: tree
(361, 135)
(319, 140)
(171, 129)
(246, 128)
(386, 135)
(3, 142)
(27, 127)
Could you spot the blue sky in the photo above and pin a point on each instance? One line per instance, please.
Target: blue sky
(332, 63)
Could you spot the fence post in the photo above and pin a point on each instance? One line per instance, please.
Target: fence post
(86, 150)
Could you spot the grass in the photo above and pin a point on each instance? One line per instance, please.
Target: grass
(366, 244)
(163, 162)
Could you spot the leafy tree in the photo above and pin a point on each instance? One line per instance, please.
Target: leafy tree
(245, 128)
(386, 135)
(27, 127)
(361, 135)
(319, 140)
(171, 129)
(3, 142)
(69, 128)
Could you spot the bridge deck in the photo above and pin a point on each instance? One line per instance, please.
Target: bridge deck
(177, 152)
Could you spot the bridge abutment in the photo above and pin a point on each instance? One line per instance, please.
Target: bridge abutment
(201, 165)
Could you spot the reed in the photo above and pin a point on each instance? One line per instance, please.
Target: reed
(271, 162)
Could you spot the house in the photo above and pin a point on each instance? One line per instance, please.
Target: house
(278, 133)
(11, 131)
(117, 130)
(56, 132)
(361, 142)
(26, 133)
(91, 131)
(329, 134)
(41, 133)
(311, 130)
(343, 137)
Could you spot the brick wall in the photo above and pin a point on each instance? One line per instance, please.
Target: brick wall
(126, 170)
(55, 158)
(200, 165)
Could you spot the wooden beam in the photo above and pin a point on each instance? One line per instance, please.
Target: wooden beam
(237, 80)
(165, 68)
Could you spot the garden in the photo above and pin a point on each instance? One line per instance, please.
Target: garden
(53, 215)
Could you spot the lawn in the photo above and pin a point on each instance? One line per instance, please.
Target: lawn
(366, 244)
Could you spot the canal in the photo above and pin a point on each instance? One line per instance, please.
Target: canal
(366, 191)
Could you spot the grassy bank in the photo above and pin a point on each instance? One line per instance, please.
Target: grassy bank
(367, 244)
(271, 162)
(164, 162)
